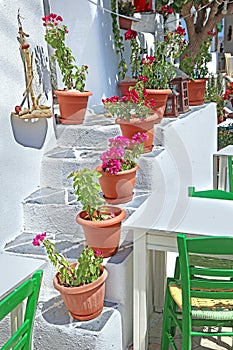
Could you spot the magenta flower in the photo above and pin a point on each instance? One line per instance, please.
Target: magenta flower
(38, 239)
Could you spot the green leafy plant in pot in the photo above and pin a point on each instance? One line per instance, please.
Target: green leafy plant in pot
(101, 223)
(81, 283)
(73, 77)
(196, 67)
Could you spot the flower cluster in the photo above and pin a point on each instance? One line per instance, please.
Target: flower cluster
(73, 77)
(133, 104)
(228, 94)
(196, 67)
(122, 153)
(166, 10)
(86, 271)
(158, 70)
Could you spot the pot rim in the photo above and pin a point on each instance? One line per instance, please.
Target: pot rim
(151, 118)
(120, 173)
(159, 91)
(74, 290)
(72, 93)
(104, 223)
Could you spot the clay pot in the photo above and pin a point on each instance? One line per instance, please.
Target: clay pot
(84, 302)
(160, 96)
(125, 23)
(72, 105)
(118, 188)
(103, 235)
(196, 91)
(125, 85)
(142, 125)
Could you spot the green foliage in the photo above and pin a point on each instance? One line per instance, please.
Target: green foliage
(214, 92)
(119, 42)
(73, 77)
(196, 67)
(87, 190)
(86, 271)
(225, 136)
(126, 8)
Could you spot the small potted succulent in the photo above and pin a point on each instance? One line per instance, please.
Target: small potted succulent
(119, 167)
(197, 69)
(101, 223)
(73, 77)
(82, 283)
(135, 114)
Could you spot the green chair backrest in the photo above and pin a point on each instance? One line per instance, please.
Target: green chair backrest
(204, 273)
(28, 291)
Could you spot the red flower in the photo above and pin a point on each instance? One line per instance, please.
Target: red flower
(130, 34)
(180, 30)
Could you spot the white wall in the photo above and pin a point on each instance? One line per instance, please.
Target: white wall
(91, 41)
(19, 165)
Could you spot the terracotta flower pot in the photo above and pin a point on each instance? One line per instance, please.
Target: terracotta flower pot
(125, 23)
(72, 105)
(125, 85)
(144, 125)
(118, 188)
(103, 235)
(160, 96)
(84, 302)
(196, 91)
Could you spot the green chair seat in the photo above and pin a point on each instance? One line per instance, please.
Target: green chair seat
(201, 293)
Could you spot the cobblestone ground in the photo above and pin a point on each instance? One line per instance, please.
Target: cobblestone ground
(210, 343)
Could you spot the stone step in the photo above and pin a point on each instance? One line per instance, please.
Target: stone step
(54, 211)
(93, 133)
(59, 162)
(112, 329)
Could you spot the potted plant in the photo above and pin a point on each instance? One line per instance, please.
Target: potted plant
(82, 283)
(214, 93)
(101, 224)
(73, 99)
(158, 69)
(119, 167)
(127, 9)
(134, 114)
(196, 67)
(137, 53)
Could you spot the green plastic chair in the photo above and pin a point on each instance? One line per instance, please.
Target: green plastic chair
(201, 292)
(28, 291)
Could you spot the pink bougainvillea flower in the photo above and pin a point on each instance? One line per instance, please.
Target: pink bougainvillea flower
(98, 252)
(39, 238)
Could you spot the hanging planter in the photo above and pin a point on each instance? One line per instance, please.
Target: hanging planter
(29, 132)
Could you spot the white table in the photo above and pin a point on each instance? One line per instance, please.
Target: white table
(14, 271)
(155, 226)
